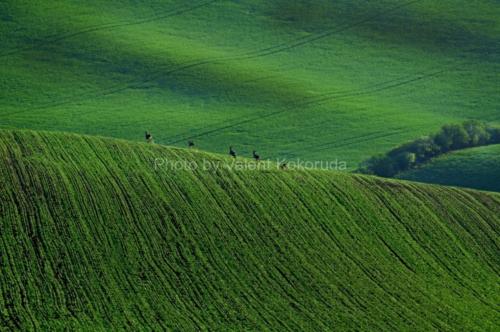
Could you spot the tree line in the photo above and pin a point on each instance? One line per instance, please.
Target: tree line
(450, 137)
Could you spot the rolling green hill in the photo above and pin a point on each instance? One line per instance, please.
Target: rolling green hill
(318, 80)
(98, 234)
(477, 168)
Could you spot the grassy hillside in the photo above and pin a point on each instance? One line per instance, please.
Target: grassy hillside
(477, 168)
(95, 237)
(313, 79)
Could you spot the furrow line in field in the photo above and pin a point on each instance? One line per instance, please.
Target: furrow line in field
(431, 252)
(356, 140)
(298, 104)
(108, 26)
(309, 39)
(193, 64)
(377, 88)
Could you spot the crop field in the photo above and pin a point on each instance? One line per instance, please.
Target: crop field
(317, 80)
(477, 168)
(98, 235)
(101, 231)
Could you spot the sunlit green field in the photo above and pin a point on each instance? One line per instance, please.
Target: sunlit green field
(319, 80)
(102, 234)
(98, 235)
(477, 168)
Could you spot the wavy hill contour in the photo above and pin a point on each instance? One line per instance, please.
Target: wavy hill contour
(93, 237)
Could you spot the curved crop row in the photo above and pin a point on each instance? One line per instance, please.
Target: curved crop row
(104, 234)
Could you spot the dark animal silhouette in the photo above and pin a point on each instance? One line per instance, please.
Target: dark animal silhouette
(147, 135)
(190, 144)
(255, 156)
(232, 153)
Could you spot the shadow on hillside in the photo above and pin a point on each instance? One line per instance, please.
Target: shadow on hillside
(410, 24)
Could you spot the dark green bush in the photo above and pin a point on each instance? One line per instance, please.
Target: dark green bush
(494, 135)
(423, 148)
(478, 133)
(449, 138)
(380, 165)
(452, 137)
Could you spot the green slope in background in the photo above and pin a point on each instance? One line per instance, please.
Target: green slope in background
(93, 237)
(477, 168)
(318, 80)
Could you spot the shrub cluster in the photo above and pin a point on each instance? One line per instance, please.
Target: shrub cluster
(450, 138)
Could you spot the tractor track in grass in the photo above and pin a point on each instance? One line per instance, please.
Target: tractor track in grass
(354, 140)
(382, 87)
(108, 26)
(320, 99)
(371, 90)
(317, 100)
(340, 143)
(337, 29)
(220, 60)
(300, 103)
(101, 92)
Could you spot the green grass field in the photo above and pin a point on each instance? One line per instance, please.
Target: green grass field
(103, 232)
(95, 237)
(318, 80)
(477, 168)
